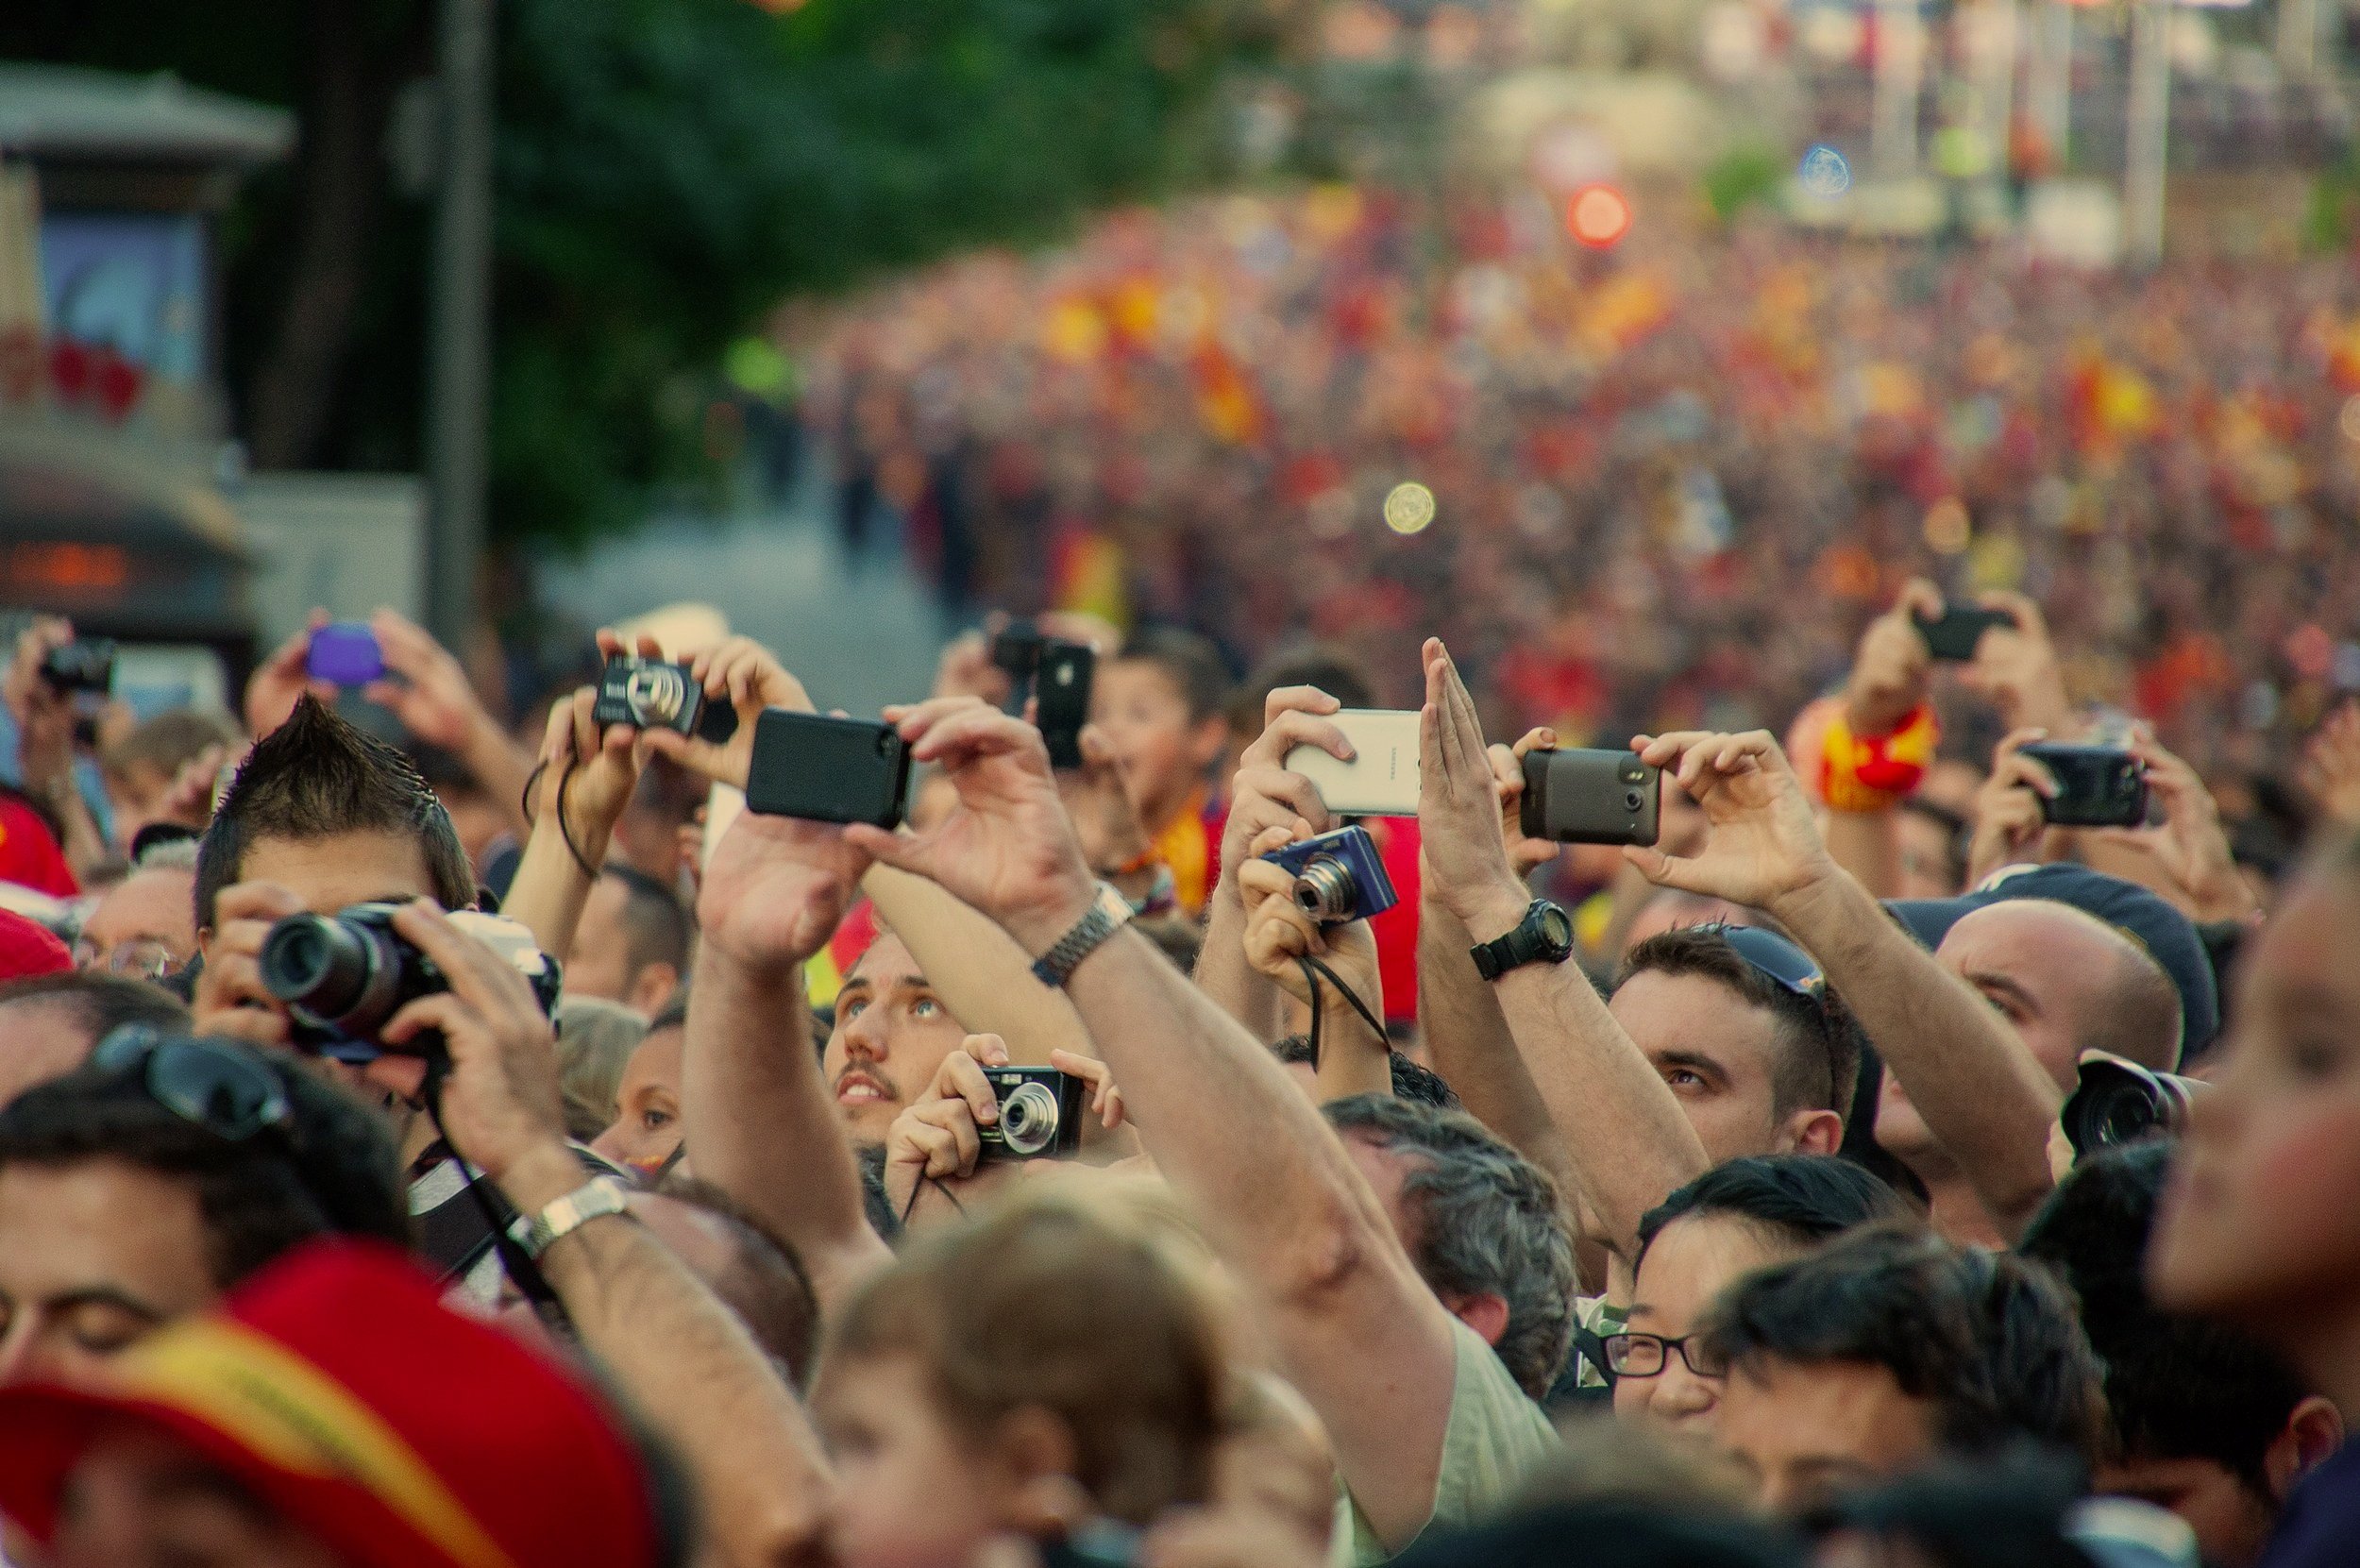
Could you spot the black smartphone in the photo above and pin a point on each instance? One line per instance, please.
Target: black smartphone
(1063, 686)
(2098, 786)
(1577, 796)
(1954, 634)
(828, 769)
(86, 665)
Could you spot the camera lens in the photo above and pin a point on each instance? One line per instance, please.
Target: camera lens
(655, 692)
(2120, 1102)
(319, 965)
(1633, 800)
(1028, 1118)
(1326, 891)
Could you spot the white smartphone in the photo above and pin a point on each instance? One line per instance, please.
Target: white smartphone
(1381, 779)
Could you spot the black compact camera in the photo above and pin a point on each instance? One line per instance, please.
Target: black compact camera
(1040, 1113)
(1339, 876)
(2098, 786)
(2119, 1102)
(342, 976)
(653, 694)
(84, 665)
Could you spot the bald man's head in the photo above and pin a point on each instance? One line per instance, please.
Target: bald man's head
(2068, 982)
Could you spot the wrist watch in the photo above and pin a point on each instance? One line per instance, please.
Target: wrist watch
(1544, 935)
(1109, 913)
(593, 1200)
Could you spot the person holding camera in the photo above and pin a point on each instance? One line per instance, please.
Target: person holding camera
(946, 1147)
(1444, 1433)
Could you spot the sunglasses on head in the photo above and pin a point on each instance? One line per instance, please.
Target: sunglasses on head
(1775, 959)
(210, 1083)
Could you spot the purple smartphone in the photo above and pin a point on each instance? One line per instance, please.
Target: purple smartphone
(344, 653)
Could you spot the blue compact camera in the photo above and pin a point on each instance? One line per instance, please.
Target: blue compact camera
(1339, 876)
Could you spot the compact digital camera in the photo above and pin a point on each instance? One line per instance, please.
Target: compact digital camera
(342, 976)
(1339, 876)
(653, 694)
(86, 665)
(2119, 1102)
(1040, 1113)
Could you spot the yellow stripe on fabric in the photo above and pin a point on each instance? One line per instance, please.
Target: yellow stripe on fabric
(293, 1416)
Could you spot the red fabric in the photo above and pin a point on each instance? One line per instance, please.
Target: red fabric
(1396, 930)
(28, 951)
(521, 1445)
(28, 852)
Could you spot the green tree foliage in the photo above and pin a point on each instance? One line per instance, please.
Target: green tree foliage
(667, 170)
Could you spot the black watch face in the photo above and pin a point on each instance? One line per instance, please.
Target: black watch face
(1557, 931)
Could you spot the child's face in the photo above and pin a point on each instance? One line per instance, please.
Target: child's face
(910, 1492)
(2258, 1220)
(1145, 717)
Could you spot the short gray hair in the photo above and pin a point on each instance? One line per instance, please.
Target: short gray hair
(1488, 1223)
(168, 854)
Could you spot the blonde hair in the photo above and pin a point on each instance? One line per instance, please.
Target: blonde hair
(595, 1040)
(1072, 1302)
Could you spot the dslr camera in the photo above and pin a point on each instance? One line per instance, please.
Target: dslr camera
(653, 693)
(84, 665)
(1339, 876)
(1040, 1113)
(2119, 1102)
(342, 976)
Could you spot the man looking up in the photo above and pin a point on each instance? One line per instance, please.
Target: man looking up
(632, 944)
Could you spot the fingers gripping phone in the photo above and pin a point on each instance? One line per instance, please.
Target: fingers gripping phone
(1581, 797)
(1381, 779)
(2098, 786)
(828, 769)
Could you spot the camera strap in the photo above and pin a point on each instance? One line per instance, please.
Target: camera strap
(521, 1269)
(1314, 970)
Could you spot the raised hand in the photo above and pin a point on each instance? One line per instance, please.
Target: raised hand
(2009, 808)
(280, 681)
(776, 889)
(937, 1138)
(230, 997)
(1006, 846)
(587, 775)
(2016, 668)
(1890, 671)
(1264, 794)
(1526, 853)
(1104, 817)
(748, 677)
(1459, 807)
(43, 715)
(1761, 843)
(2188, 846)
(432, 697)
(2331, 765)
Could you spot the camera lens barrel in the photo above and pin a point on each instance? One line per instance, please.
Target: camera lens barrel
(1028, 1118)
(335, 971)
(1326, 889)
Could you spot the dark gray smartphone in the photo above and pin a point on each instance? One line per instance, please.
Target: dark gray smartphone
(1953, 636)
(1063, 687)
(828, 769)
(1578, 797)
(2098, 786)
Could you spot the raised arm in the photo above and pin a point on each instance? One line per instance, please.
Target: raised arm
(1629, 1143)
(1979, 1088)
(1361, 1334)
(677, 1353)
(981, 974)
(437, 705)
(1460, 1015)
(586, 779)
(1263, 795)
(1353, 1058)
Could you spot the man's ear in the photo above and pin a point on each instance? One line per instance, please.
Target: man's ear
(1034, 1451)
(651, 987)
(1814, 1131)
(2312, 1431)
(1484, 1312)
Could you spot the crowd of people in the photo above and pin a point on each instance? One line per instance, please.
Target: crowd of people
(1734, 1198)
(1669, 481)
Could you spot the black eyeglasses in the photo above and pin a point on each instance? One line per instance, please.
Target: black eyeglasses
(210, 1083)
(1773, 959)
(1646, 1355)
